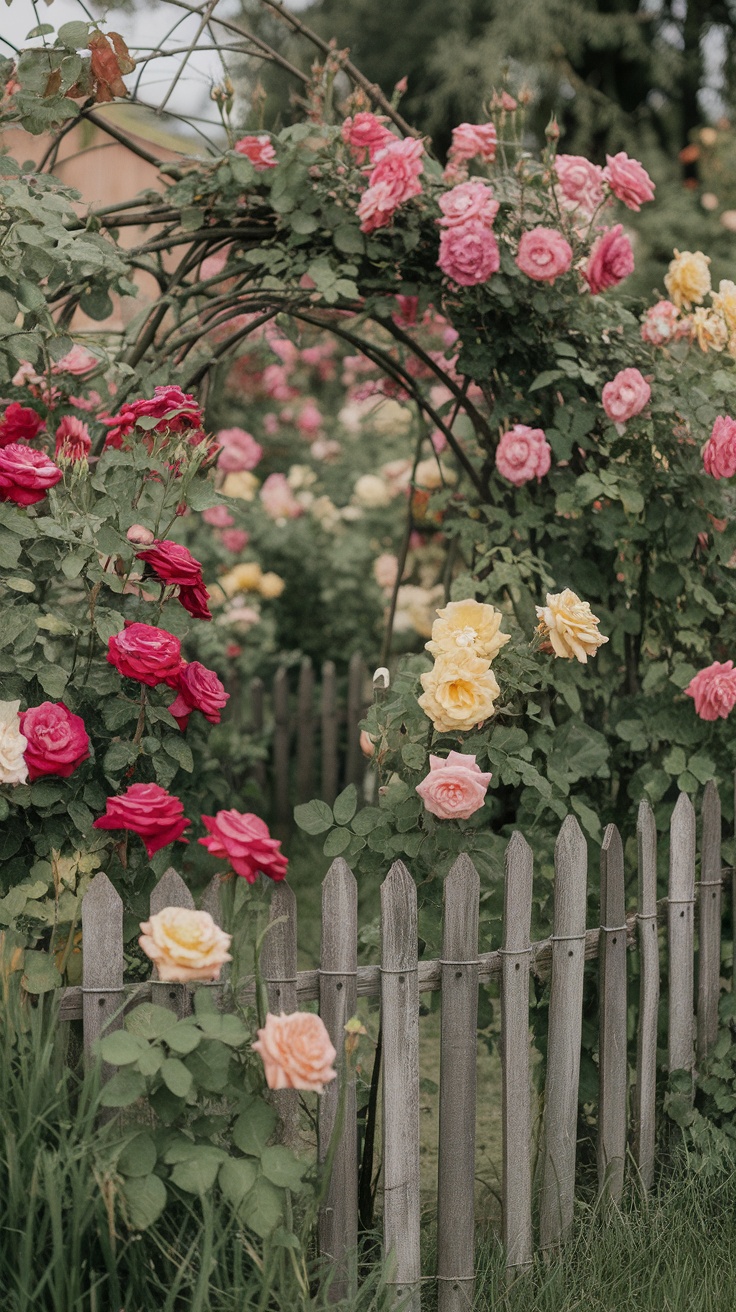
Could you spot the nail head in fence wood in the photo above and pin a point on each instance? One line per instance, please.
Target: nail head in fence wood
(400, 1027)
(709, 922)
(257, 722)
(329, 733)
(170, 891)
(458, 1061)
(564, 1036)
(644, 1115)
(681, 935)
(355, 761)
(305, 733)
(102, 965)
(278, 970)
(515, 1086)
(281, 741)
(613, 1060)
(338, 1222)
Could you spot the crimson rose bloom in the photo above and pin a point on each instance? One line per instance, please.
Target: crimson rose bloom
(26, 474)
(186, 419)
(176, 565)
(611, 260)
(57, 740)
(198, 689)
(145, 653)
(19, 424)
(149, 811)
(245, 842)
(73, 441)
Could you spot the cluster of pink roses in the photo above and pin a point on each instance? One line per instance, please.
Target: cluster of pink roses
(392, 181)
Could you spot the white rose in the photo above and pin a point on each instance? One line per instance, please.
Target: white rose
(13, 769)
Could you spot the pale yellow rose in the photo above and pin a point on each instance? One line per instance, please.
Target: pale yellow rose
(468, 626)
(371, 491)
(724, 302)
(431, 474)
(13, 768)
(271, 585)
(459, 692)
(416, 608)
(688, 278)
(242, 578)
(243, 485)
(570, 626)
(709, 330)
(184, 945)
(391, 419)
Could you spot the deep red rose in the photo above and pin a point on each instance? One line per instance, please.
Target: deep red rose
(145, 653)
(195, 601)
(19, 424)
(198, 689)
(26, 474)
(244, 841)
(149, 811)
(176, 411)
(172, 563)
(57, 740)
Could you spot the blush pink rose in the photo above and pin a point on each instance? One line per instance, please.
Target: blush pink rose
(278, 499)
(393, 180)
(258, 150)
(544, 254)
(140, 535)
(157, 817)
(73, 441)
(580, 183)
(661, 323)
(611, 260)
(468, 253)
(469, 200)
(235, 540)
(19, 423)
(26, 474)
(719, 453)
(57, 740)
(473, 141)
(244, 841)
(365, 134)
(523, 453)
(218, 516)
(296, 1052)
(625, 396)
(455, 787)
(239, 450)
(310, 420)
(714, 691)
(78, 361)
(628, 180)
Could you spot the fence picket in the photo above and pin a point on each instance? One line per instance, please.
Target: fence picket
(278, 971)
(102, 965)
(644, 1113)
(515, 1086)
(354, 760)
(170, 891)
(681, 900)
(400, 1084)
(458, 1061)
(305, 732)
(338, 1222)
(257, 722)
(212, 901)
(709, 922)
(329, 728)
(613, 1063)
(281, 738)
(564, 1035)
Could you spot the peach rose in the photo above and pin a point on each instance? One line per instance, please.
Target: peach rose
(455, 787)
(468, 626)
(660, 323)
(184, 945)
(714, 690)
(459, 692)
(570, 626)
(625, 396)
(296, 1052)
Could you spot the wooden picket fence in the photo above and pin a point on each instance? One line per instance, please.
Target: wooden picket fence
(626, 1132)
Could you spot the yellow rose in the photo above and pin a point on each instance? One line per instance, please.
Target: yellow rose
(243, 485)
(242, 578)
(468, 626)
(459, 692)
(371, 491)
(709, 330)
(688, 278)
(271, 585)
(570, 626)
(184, 945)
(724, 302)
(431, 474)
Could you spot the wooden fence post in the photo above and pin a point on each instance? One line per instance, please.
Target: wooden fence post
(305, 732)
(681, 900)
(458, 1061)
(646, 1045)
(709, 922)
(564, 1035)
(257, 722)
(354, 760)
(278, 970)
(211, 901)
(281, 753)
(170, 891)
(102, 966)
(515, 1086)
(338, 996)
(613, 1062)
(329, 733)
(400, 1028)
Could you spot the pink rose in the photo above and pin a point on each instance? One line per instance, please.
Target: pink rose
(57, 740)
(26, 474)
(235, 540)
(258, 150)
(580, 183)
(19, 424)
(244, 841)
(625, 396)
(157, 817)
(296, 1052)
(140, 535)
(145, 653)
(393, 180)
(310, 420)
(719, 453)
(628, 180)
(611, 260)
(544, 254)
(714, 691)
(239, 450)
(660, 323)
(276, 383)
(198, 689)
(470, 200)
(218, 516)
(468, 253)
(522, 454)
(473, 141)
(73, 441)
(278, 499)
(455, 787)
(366, 135)
(78, 361)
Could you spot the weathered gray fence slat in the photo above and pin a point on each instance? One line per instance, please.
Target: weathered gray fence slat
(709, 922)
(681, 900)
(305, 732)
(354, 760)
(458, 1062)
(644, 1111)
(281, 744)
(564, 1035)
(400, 1083)
(170, 891)
(102, 965)
(212, 901)
(278, 970)
(329, 728)
(257, 721)
(515, 1086)
(613, 1062)
(338, 1222)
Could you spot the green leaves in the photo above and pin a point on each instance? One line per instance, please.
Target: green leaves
(314, 817)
